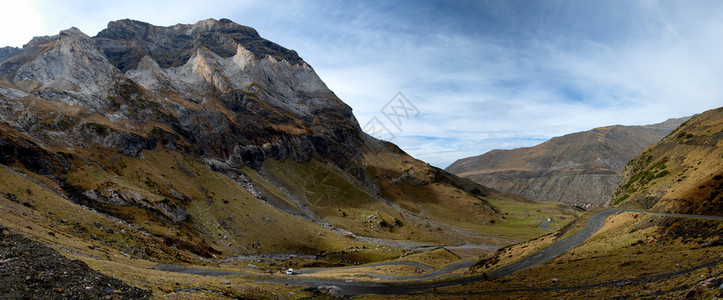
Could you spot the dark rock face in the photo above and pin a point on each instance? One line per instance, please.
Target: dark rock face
(28, 154)
(582, 168)
(31, 270)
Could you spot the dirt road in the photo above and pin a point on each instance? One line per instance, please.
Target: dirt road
(351, 288)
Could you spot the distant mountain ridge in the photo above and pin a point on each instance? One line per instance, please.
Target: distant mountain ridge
(581, 168)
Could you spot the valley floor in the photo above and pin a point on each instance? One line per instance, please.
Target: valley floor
(613, 252)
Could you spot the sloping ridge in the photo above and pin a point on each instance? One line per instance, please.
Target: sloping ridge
(580, 168)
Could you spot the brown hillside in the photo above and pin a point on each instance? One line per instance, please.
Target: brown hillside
(682, 173)
(581, 168)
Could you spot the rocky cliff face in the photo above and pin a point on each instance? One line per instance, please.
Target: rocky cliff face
(216, 72)
(220, 54)
(581, 168)
(683, 173)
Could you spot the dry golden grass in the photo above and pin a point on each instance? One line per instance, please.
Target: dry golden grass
(681, 173)
(436, 258)
(168, 285)
(628, 247)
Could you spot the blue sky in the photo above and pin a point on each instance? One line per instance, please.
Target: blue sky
(482, 75)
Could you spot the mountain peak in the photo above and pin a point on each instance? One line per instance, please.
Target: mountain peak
(73, 31)
(125, 29)
(223, 26)
(128, 28)
(126, 41)
(66, 67)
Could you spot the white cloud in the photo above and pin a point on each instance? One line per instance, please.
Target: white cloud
(20, 21)
(93, 16)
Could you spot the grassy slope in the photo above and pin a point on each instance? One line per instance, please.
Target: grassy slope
(42, 214)
(420, 189)
(334, 199)
(222, 214)
(682, 173)
(630, 246)
(420, 208)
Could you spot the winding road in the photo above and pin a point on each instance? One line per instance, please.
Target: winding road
(349, 287)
